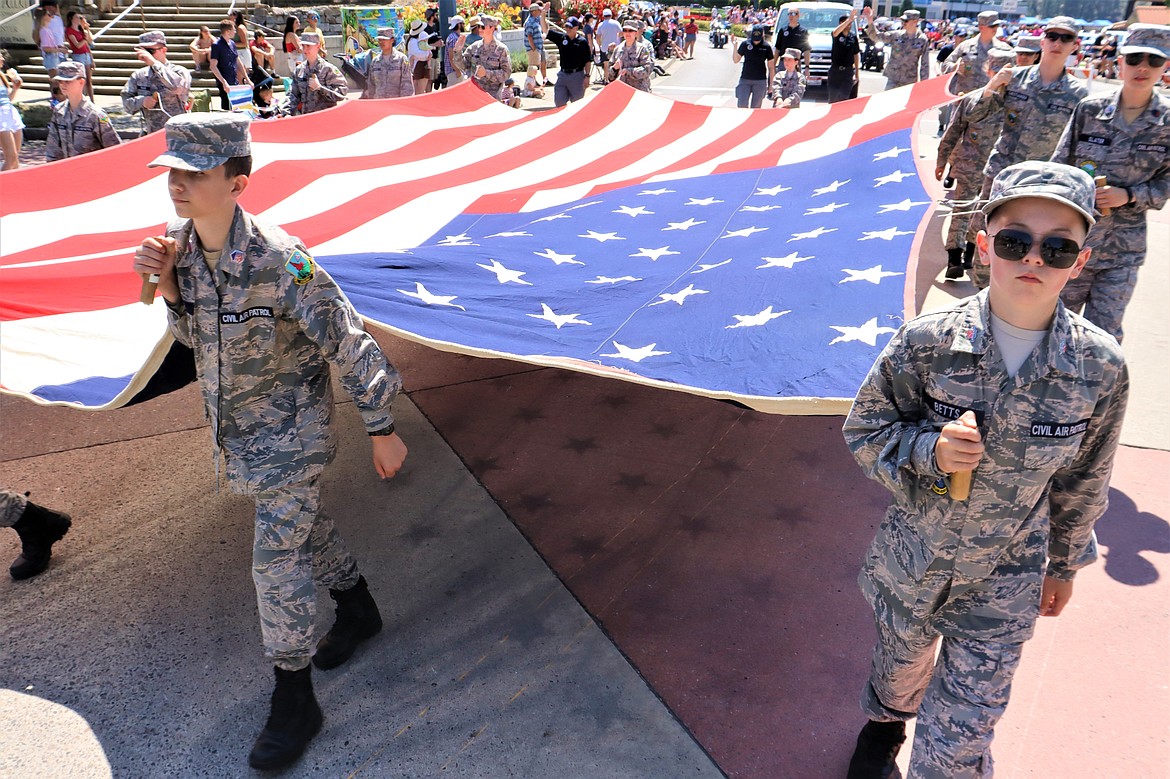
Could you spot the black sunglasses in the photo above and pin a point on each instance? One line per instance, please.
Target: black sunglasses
(1134, 59)
(1063, 37)
(1056, 252)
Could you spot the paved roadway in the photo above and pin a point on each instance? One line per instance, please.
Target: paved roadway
(581, 578)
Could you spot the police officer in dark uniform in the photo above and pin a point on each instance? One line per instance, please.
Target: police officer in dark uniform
(793, 36)
(576, 59)
(844, 61)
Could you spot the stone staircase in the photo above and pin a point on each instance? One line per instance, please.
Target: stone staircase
(114, 58)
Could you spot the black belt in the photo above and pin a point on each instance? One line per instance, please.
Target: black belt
(574, 70)
(842, 67)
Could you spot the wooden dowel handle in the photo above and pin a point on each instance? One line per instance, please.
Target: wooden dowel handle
(960, 487)
(149, 286)
(1100, 182)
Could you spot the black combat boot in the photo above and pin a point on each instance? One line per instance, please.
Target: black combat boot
(877, 746)
(357, 620)
(968, 256)
(39, 528)
(294, 720)
(954, 264)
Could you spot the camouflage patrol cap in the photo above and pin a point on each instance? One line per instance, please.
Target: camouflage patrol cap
(988, 19)
(148, 40)
(387, 34)
(911, 15)
(311, 38)
(1063, 23)
(998, 58)
(201, 141)
(1028, 44)
(1046, 180)
(1148, 39)
(69, 71)
(794, 54)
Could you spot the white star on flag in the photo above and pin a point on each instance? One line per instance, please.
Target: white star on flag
(702, 201)
(782, 262)
(656, 192)
(873, 275)
(744, 233)
(687, 225)
(760, 208)
(425, 295)
(888, 153)
(704, 268)
(886, 235)
(558, 319)
(817, 233)
(511, 235)
(831, 188)
(867, 333)
(551, 217)
(559, 259)
(772, 191)
(756, 320)
(602, 237)
(894, 178)
(825, 209)
(654, 254)
(632, 210)
(905, 205)
(635, 355)
(504, 275)
(457, 240)
(680, 296)
(611, 280)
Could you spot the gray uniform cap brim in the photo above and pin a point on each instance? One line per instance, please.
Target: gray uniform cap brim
(992, 205)
(192, 162)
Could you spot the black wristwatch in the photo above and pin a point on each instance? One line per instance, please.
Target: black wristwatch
(388, 430)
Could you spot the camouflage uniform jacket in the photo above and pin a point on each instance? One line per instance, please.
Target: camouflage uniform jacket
(969, 64)
(386, 76)
(1050, 435)
(966, 144)
(265, 330)
(496, 61)
(73, 133)
(306, 101)
(789, 86)
(909, 59)
(637, 61)
(1134, 156)
(169, 81)
(1034, 116)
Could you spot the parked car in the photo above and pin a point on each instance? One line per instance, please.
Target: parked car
(820, 19)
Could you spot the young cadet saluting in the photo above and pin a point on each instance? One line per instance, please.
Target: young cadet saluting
(1030, 397)
(266, 322)
(1123, 136)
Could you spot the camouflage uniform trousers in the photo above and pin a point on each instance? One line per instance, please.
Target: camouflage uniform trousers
(296, 548)
(957, 698)
(1104, 294)
(12, 506)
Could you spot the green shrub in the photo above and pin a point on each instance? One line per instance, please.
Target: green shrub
(519, 61)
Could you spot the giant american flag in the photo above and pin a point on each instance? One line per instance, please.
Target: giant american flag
(755, 255)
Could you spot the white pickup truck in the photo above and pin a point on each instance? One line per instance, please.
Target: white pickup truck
(820, 19)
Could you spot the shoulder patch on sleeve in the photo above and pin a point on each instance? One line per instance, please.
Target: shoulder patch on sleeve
(300, 265)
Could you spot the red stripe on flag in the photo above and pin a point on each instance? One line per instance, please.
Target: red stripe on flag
(90, 285)
(78, 246)
(923, 95)
(680, 121)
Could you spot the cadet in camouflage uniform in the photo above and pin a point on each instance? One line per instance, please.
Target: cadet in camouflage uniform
(1030, 397)
(161, 89)
(488, 60)
(633, 59)
(38, 529)
(788, 86)
(965, 147)
(969, 59)
(387, 70)
(266, 323)
(909, 59)
(77, 126)
(1125, 137)
(316, 84)
(1036, 104)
